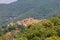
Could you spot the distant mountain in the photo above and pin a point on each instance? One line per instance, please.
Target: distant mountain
(28, 8)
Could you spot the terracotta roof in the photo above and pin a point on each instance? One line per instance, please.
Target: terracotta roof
(28, 21)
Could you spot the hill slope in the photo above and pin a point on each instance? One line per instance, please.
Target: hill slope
(28, 8)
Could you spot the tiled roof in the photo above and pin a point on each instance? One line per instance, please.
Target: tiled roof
(28, 21)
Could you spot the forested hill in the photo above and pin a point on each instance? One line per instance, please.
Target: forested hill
(43, 30)
(28, 8)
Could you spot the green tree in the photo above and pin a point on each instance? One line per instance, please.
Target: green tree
(55, 21)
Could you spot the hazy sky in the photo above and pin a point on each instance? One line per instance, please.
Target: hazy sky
(7, 1)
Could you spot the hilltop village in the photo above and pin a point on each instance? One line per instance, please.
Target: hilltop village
(26, 22)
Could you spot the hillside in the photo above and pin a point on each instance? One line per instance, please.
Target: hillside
(48, 29)
(28, 8)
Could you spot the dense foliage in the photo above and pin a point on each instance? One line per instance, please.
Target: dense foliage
(45, 30)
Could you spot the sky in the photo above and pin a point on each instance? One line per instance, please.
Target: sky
(6, 1)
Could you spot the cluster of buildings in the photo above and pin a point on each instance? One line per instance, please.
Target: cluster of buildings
(28, 21)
